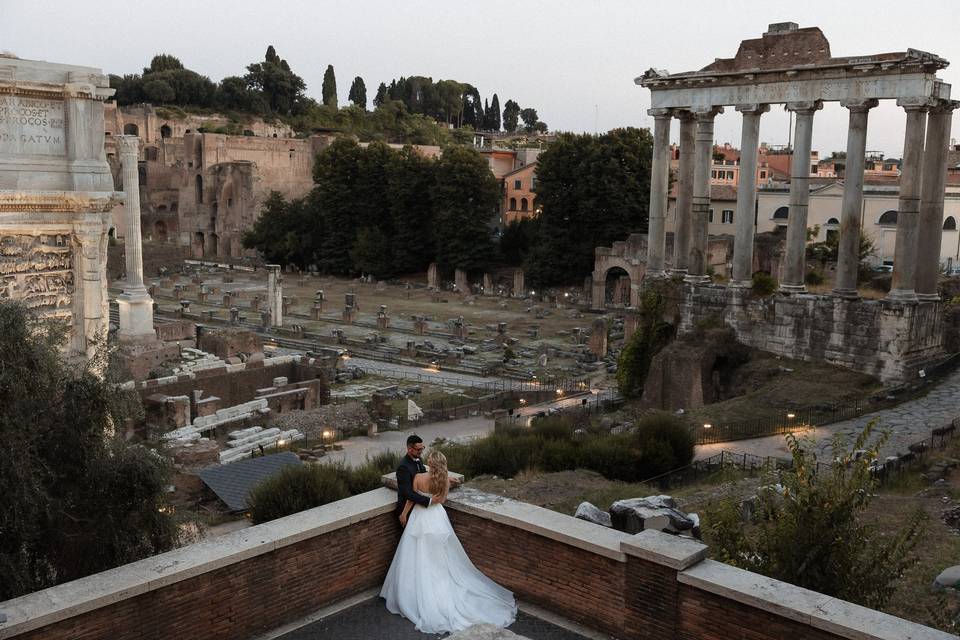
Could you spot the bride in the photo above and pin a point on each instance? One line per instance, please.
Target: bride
(431, 581)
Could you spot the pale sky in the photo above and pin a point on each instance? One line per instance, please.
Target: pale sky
(574, 61)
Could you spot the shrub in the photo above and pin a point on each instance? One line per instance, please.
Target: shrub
(666, 443)
(613, 457)
(295, 488)
(763, 284)
(815, 539)
(553, 428)
(813, 277)
(368, 476)
(560, 455)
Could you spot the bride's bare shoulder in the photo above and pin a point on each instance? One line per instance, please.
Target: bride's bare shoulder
(421, 481)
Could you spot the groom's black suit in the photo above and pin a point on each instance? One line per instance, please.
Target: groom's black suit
(405, 472)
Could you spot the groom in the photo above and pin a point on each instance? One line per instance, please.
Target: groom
(410, 466)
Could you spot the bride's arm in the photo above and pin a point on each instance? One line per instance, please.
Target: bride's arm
(406, 513)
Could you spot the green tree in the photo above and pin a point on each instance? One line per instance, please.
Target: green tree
(466, 196)
(358, 93)
(78, 498)
(282, 88)
(337, 173)
(163, 62)
(286, 232)
(410, 181)
(652, 334)
(381, 97)
(530, 119)
(591, 190)
(511, 116)
(810, 531)
(516, 240)
(494, 123)
(329, 89)
(370, 253)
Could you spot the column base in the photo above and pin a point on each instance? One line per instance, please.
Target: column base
(792, 289)
(740, 284)
(677, 273)
(928, 297)
(656, 274)
(136, 317)
(903, 296)
(695, 279)
(846, 294)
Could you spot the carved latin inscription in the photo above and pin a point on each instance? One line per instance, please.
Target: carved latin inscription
(38, 271)
(31, 126)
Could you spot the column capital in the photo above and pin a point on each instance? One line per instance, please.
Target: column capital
(660, 113)
(945, 106)
(706, 113)
(127, 145)
(683, 115)
(859, 105)
(920, 103)
(805, 106)
(752, 109)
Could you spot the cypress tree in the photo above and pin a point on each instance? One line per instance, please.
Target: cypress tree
(382, 95)
(358, 93)
(329, 87)
(494, 114)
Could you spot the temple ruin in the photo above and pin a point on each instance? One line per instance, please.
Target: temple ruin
(893, 338)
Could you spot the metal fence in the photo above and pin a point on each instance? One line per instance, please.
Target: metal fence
(788, 423)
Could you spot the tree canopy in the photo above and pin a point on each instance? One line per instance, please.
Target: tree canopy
(591, 190)
(78, 499)
(329, 89)
(358, 93)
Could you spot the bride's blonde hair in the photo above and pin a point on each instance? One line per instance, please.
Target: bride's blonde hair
(437, 462)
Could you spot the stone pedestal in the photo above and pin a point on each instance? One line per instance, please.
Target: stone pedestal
(598, 338)
(433, 277)
(275, 295)
(461, 282)
(488, 289)
(519, 289)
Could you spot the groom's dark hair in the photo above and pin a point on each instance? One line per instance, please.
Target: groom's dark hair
(413, 439)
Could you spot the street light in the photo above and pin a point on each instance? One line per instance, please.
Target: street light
(707, 425)
(326, 434)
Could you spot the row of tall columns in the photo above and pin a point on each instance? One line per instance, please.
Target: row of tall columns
(920, 210)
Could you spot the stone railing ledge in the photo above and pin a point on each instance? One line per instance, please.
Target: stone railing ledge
(66, 600)
(390, 479)
(832, 615)
(676, 552)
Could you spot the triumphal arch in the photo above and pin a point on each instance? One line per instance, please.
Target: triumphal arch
(56, 192)
(793, 67)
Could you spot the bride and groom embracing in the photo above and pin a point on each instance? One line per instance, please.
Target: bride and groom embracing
(431, 581)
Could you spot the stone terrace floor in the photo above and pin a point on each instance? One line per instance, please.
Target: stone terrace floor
(370, 620)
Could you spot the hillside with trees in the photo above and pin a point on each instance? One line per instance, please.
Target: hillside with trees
(415, 109)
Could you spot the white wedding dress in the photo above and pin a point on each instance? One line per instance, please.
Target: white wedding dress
(432, 582)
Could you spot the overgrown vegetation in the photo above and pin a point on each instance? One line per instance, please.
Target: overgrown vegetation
(413, 110)
(660, 443)
(763, 284)
(808, 531)
(300, 487)
(384, 212)
(78, 498)
(652, 335)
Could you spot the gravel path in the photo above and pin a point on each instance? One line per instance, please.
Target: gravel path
(907, 423)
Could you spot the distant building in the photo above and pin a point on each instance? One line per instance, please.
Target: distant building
(519, 193)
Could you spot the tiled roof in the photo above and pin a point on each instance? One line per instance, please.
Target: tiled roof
(232, 482)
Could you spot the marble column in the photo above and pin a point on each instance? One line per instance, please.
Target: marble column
(796, 259)
(275, 294)
(681, 233)
(699, 228)
(931, 201)
(135, 304)
(746, 194)
(908, 209)
(659, 183)
(848, 251)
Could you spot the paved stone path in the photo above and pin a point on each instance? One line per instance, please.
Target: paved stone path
(371, 621)
(907, 423)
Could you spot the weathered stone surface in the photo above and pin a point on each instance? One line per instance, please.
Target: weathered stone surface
(591, 513)
(949, 578)
(484, 632)
(655, 512)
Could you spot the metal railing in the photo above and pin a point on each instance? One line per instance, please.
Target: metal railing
(762, 427)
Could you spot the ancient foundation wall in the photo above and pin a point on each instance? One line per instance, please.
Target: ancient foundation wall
(890, 341)
(647, 586)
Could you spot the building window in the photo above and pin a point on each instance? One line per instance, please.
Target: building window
(950, 224)
(523, 204)
(710, 216)
(516, 184)
(131, 130)
(781, 213)
(727, 216)
(199, 190)
(763, 175)
(889, 218)
(713, 174)
(513, 204)
(165, 131)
